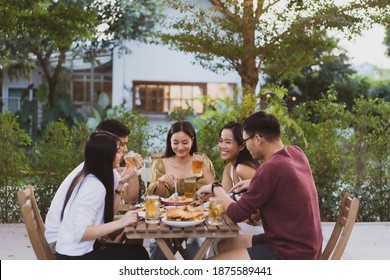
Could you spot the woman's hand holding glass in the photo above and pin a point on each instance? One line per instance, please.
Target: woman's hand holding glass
(207, 174)
(129, 218)
(127, 174)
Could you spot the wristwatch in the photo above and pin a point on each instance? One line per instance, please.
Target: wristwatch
(215, 184)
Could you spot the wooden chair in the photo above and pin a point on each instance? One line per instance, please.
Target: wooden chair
(342, 230)
(34, 224)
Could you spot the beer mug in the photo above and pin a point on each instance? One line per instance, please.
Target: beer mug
(132, 160)
(152, 209)
(197, 164)
(190, 187)
(215, 211)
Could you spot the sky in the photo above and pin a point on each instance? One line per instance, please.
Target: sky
(369, 48)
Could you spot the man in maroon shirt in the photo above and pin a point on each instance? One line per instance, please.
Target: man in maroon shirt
(284, 191)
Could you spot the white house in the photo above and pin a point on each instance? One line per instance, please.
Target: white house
(152, 80)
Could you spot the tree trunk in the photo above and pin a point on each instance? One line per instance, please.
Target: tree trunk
(51, 76)
(248, 70)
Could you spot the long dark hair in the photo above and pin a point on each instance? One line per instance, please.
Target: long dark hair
(244, 157)
(188, 129)
(100, 152)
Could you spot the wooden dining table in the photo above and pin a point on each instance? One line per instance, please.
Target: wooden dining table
(169, 238)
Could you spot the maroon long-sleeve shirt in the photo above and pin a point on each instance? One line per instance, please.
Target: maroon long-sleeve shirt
(284, 191)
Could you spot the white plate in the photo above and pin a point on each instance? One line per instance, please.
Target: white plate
(181, 223)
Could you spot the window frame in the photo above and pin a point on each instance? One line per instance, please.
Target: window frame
(166, 106)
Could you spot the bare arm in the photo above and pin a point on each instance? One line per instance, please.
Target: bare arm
(226, 180)
(245, 172)
(97, 231)
(128, 177)
(132, 190)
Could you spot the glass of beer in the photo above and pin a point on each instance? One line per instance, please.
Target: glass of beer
(190, 187)
(197, 164)
(215, 211)
(152, 209)
(132, 160)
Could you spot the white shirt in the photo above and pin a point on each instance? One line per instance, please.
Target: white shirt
(53, 217)
(85, 208)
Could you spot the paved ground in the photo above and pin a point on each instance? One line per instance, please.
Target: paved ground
(369, 241)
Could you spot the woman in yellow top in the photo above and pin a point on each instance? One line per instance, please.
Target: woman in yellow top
(176, 163)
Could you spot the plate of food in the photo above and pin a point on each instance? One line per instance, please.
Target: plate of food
(181, 223)
(184, 216)
(176, 201)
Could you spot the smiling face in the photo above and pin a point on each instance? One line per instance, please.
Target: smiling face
(181, 144)
(228, 146)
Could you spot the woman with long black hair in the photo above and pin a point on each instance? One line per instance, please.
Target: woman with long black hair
(88, 211)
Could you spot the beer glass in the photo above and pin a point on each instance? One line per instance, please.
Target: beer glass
(197, 164)
(215, 211)
(190, 187)
(152, 209)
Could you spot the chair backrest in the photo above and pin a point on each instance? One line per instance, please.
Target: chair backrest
(342, 230)
(34, 224)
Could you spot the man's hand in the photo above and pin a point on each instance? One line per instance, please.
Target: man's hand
(204, 192)
(241, 186)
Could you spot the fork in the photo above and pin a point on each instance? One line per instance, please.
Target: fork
(175, 195)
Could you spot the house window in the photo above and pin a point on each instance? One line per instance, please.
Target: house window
(85, 91)
(14, 99)
(166, 97)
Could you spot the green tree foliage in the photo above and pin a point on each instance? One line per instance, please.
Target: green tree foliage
(13, 164)
(348, 150)
(46, 30)
(43, 28)
(273, 37)
(315, 80)
(386, 40)
(380, 89)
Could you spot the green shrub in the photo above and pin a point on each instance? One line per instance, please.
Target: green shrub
(13, 165)
(54, 156)
(325, 133)
(349, 151)
(368, 168)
